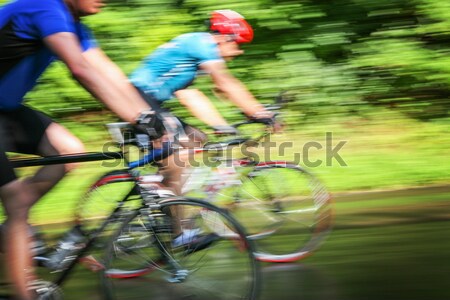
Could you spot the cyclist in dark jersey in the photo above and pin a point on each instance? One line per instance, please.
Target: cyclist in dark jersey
(169, 70)
(33, 33)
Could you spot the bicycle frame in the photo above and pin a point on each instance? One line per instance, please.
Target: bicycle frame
(88, 157)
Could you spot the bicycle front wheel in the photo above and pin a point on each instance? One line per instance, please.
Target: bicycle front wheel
(286, 210)
(211, 259)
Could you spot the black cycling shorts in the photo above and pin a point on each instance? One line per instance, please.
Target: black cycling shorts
(156, 106)
(21, 131)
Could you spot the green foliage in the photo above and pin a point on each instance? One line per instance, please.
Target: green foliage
(334, 57)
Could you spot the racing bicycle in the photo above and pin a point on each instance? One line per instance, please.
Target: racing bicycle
(285, 208)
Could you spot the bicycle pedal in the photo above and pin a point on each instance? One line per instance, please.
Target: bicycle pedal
(45, 290)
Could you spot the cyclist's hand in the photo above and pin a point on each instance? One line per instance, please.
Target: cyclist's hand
(151, 124)
(225, 129)
(268, 118)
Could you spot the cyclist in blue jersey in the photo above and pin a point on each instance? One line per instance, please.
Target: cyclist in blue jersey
(169, 71)
(33, 33)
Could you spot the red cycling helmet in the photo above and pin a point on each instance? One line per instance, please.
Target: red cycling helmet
(230, 22)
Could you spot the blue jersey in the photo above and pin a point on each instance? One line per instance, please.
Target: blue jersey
(23, 55)
(174, 65)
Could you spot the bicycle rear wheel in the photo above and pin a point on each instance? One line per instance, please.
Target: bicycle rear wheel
(286, 210)
(142, 260)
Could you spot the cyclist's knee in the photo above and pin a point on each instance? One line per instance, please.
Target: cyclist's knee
(74, 146)
(197, 138)
(59, 141)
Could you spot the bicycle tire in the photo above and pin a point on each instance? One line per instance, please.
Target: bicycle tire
(293, 215)
(136, 261)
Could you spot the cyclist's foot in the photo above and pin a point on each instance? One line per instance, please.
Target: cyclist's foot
(186, 237)
(193, 240)
(201, 242)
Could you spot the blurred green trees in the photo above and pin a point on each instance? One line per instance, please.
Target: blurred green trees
(335, 57)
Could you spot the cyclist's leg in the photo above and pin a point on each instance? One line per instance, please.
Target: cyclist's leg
(16, 200)
(15, 237)
(173, 168)
(27, 131)
(197, 138)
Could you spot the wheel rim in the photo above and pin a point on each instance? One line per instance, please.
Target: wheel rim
(292, 211)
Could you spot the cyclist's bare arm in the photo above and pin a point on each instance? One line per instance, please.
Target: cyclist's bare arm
(66, 46)
(111, 72)
(200, 106)
(232, 88)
